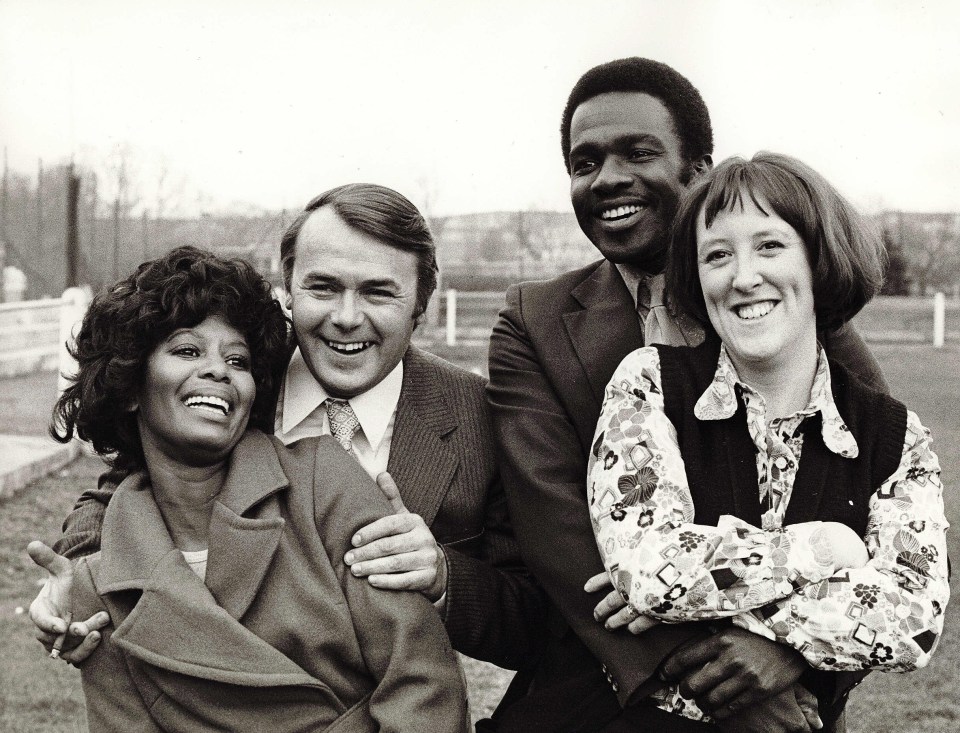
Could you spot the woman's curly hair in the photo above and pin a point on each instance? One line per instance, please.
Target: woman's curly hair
(126, 323)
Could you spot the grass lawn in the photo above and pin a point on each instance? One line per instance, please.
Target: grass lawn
(42, 696)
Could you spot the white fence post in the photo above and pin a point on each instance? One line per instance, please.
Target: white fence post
(939, 320)
(451, 317)
(73, 307)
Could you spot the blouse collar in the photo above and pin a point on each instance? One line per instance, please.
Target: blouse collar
(719, 402)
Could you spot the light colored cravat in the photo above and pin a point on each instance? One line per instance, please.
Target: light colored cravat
(343, 423)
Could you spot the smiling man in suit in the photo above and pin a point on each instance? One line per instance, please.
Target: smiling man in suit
(359, 268)
(634, 134)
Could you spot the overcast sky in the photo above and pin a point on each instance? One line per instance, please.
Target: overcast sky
(457, 104)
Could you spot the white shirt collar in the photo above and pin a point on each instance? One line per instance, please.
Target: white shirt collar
(302, 394)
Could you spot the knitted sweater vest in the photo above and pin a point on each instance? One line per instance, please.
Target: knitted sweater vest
(720, 457)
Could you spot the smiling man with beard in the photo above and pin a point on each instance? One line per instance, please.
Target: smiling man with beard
(634, 133)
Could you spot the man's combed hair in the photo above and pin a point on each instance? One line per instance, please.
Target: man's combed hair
(845, 250)
(691, 119)
(126, 323)
(378, 212)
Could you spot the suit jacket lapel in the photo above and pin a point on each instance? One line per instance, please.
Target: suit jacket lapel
(421, 462)
(605, 329)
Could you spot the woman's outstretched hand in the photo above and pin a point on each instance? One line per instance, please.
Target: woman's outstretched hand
(50, 610)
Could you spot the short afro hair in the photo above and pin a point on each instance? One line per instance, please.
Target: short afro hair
(691, 119)
(845, 249)
(124, 325)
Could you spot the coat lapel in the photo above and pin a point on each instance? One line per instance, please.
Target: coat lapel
(175, 621)
(242, 547)
(177, 625)
(605, 329)
(421, 461)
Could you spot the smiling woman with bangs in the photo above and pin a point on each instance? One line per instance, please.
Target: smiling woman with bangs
(753, 480)
(221, 564)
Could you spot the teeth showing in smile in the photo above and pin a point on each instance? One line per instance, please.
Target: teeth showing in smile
(349, 348)
(755, 310)
(208, 403)
(620, 212)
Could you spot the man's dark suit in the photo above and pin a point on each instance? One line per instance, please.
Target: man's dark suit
(555, 347)
(443, 461)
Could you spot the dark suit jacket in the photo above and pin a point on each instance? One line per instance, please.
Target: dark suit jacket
(281, 636)
(443, 460)
(555, 347)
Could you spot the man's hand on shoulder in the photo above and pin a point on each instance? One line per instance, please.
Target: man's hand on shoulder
(399, 552)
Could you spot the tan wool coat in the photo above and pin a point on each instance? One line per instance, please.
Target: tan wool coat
(281, 637)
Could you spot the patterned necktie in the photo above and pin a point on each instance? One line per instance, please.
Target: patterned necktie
(343, 423)
(659, 327)
(643, 299)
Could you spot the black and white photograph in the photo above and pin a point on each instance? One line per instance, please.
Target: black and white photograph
(518, 367)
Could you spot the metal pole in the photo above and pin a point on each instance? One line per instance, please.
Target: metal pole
(146, 235)
(116, 238)
(939, 320)
(73, 306)
(4, 195)
(40, 205)
(451, 317)
(73, 234)
(92, 255)
(4, 204)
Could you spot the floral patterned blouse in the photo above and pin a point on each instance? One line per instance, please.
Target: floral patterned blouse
(777, 581)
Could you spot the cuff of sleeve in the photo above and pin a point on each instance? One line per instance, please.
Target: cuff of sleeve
(790, 558)
(749, 622)
(809, 554)
(441, 603)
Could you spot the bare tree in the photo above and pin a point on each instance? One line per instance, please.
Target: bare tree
(169, 189)
(931, 244)
(120, 178)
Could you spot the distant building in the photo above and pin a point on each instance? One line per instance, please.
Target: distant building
(487, 250)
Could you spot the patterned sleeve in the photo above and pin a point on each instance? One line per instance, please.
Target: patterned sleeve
(642, 511)
(889, 613)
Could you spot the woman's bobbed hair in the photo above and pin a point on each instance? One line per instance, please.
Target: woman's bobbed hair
(845, 250)
(124, 325)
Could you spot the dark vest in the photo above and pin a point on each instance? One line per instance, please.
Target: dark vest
(720, 457)
(721, 465)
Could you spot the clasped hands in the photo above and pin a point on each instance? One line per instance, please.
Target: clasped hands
(746, 682)
(395, 552)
